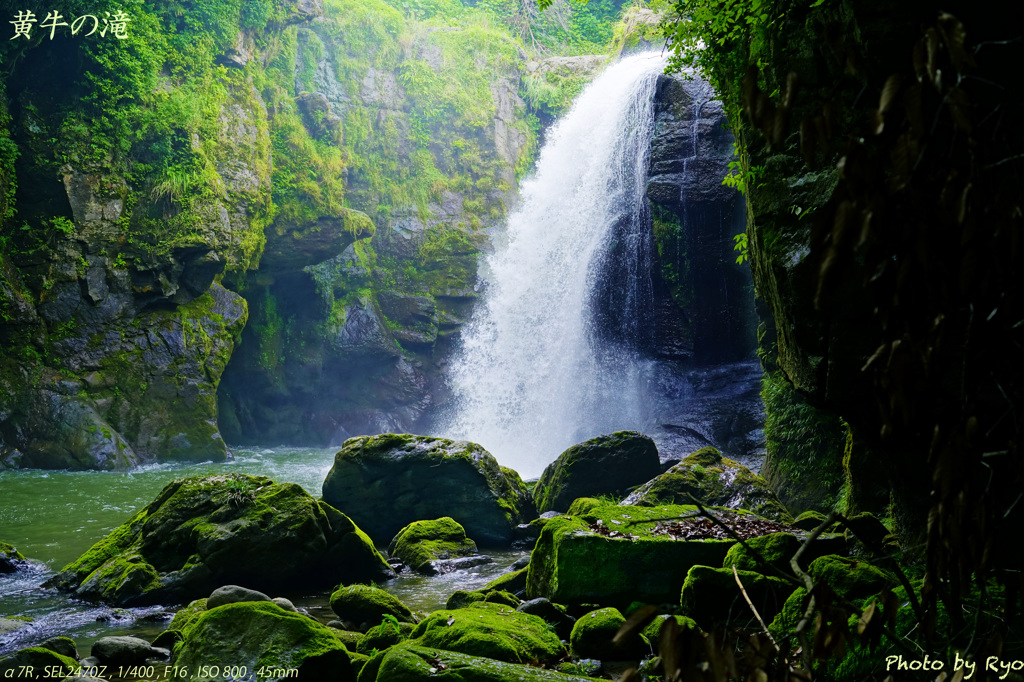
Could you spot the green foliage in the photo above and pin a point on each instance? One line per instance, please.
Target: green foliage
(552, 92)
(557, 26)
(740, 247)
(719, 38)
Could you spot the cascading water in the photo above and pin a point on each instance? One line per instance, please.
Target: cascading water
(535, 373)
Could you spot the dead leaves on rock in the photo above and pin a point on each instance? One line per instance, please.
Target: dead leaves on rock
(745, 526)
(601, 529)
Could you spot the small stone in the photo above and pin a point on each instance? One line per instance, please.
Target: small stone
(125, 650)
(285, 604)
(230, 594)
(65, 646)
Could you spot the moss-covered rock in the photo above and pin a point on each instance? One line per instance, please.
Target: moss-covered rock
(413, 663)
(713, 480)
(574, 563)
(582, 505)
(809, 520)
(423, 542)
(385, 482)
(490, 630)
(711, 596)
(10, 558)
(778, 549)
(593, 633)
(386, 634)
(653, 630)
(263, 635)
(514, 581)
(350, 638)
(183, 617)
(850, 578)
(359, 604)
(606, 465)
(9, 625)
(36, 663)
(553, 614)
(65, 646)
(200, 533)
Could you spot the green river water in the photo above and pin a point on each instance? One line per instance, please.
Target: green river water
(54, 516)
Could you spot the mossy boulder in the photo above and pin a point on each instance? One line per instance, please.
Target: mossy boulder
(582, 505)
(9, 625)
(574, 562)
(850, 578)
(606, 465)
(490, 630)
(711, 596)
(202, 532)
(592, 636)
(423, 542)
(43, 662)
(358, 604)
(263, 635)
(387, 634)
(809, 520)
(10, 558)
(778, 549)
(553, 614)
(653, 630)
(386, 482)
(411, 663)
(65, 646)
(713, 480)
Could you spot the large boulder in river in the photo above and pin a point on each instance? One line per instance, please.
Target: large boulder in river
(385, 482)
(422, 543)
(263, 636)
(201, 533)
(713, 480)
(606, 465)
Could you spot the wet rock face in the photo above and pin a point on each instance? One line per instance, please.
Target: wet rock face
(695, 218)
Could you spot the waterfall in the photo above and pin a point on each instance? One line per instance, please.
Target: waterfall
(536, 371)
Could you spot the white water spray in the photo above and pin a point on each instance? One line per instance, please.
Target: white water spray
(531, 377)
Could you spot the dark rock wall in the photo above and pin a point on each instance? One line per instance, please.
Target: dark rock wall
(695, 219)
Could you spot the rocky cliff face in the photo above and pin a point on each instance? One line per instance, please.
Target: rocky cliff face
(349, 339)
(115, 328)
